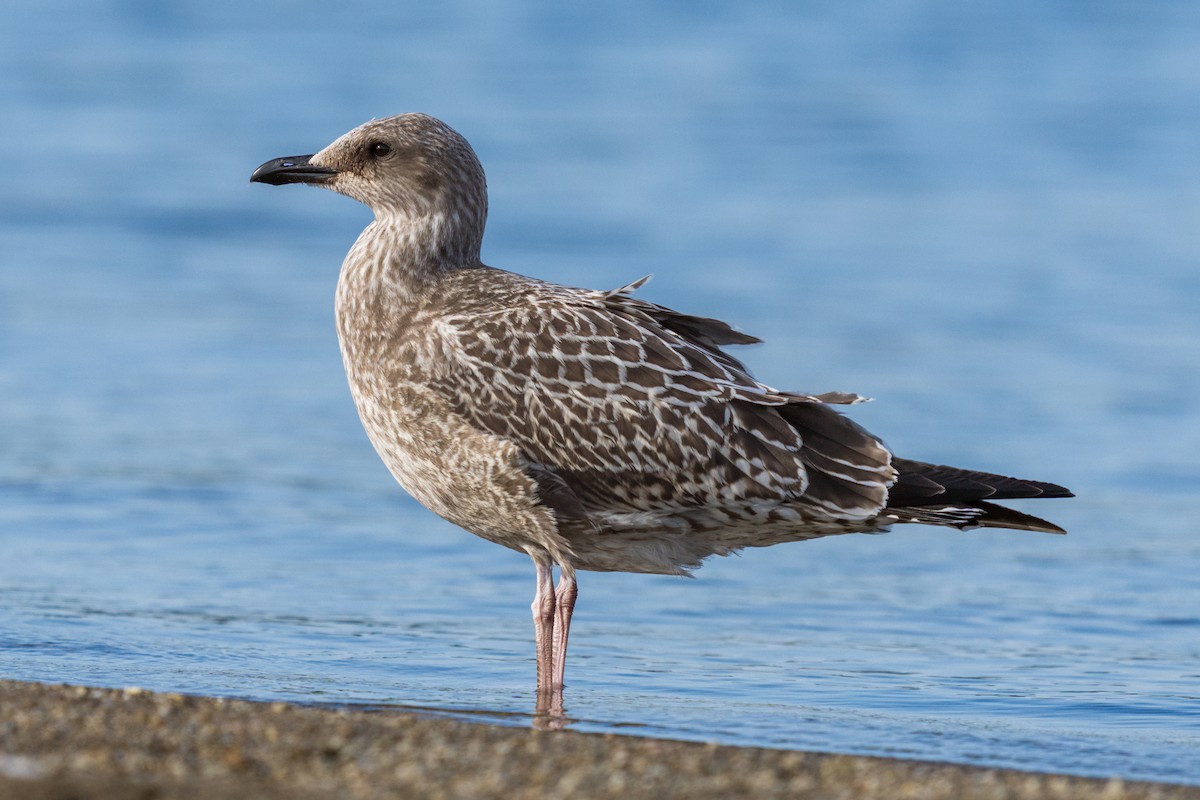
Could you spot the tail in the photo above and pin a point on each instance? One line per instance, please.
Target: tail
(938, 495)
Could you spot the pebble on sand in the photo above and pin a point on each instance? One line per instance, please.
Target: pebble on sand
(59, 742)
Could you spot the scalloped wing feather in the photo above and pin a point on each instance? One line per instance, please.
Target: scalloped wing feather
(635, 407)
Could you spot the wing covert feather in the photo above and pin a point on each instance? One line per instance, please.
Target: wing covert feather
(639, 403)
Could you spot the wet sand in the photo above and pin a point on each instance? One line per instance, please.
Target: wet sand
(75, 742)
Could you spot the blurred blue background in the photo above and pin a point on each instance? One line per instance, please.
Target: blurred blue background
(984, 215)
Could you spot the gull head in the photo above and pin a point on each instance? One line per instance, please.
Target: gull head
(410, 167)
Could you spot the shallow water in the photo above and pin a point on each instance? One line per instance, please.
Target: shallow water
(983, 216)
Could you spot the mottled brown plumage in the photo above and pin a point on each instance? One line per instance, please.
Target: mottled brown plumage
(591, 430)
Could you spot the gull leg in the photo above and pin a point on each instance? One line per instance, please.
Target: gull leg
(543, 626)
(564, 606)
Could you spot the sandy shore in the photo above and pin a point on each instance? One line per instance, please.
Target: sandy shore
(76, 742)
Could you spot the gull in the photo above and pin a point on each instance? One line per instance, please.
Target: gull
(590, 430)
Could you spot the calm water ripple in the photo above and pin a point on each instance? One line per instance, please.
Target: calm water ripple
(983, 215)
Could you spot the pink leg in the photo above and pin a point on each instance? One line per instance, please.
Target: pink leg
(564, 606)
(543, 625)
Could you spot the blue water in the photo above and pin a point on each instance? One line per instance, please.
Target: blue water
(984, 215)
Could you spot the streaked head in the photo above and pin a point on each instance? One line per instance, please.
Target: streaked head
(410, 167)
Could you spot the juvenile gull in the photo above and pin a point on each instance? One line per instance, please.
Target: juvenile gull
(589, 429)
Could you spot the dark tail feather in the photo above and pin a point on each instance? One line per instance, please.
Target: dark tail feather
(940, 495)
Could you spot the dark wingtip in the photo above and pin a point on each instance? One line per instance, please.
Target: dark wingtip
(963, 485)
(997, 516)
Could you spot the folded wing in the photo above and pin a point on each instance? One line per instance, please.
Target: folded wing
(622, 404)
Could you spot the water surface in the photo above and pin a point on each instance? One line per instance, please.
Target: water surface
(984, 216)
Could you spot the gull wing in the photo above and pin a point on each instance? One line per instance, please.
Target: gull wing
(633, 406)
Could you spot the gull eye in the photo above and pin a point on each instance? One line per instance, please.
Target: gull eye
(380, 149)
